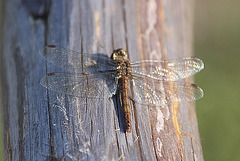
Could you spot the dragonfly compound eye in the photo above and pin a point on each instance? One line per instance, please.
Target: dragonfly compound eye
(119, 54)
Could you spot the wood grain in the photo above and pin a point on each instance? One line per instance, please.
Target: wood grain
(44, 125)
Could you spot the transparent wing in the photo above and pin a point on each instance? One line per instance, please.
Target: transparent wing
(76, 61)
(167, 70)
(80, 85)
(154, 92)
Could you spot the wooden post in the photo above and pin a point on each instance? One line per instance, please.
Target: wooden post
(43, 125)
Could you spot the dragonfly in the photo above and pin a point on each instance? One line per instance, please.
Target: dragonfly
(148, 82)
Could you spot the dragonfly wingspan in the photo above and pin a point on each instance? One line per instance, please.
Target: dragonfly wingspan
(167, 70)
(148, 76)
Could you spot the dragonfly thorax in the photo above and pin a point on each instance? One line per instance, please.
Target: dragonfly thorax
(121, 57)
(123, 69)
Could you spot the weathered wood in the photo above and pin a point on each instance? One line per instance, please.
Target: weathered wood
(44, 125)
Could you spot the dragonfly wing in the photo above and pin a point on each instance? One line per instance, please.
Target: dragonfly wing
(80, 85)
(168, 70)
(146, 95)
(154, 92)
(76, 61)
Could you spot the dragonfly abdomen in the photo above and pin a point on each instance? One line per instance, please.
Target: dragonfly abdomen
(125, 104)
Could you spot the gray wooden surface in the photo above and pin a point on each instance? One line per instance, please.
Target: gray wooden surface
(44, 125)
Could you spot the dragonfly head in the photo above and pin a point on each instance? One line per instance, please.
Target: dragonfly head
(119, 55)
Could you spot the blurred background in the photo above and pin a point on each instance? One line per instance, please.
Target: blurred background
(217, 43)
(1, 140)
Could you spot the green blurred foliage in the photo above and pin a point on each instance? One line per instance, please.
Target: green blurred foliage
(217, 43)
(1, 139)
